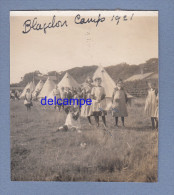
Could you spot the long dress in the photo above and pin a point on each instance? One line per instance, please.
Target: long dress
(119, 107)
(86, 109)
(98, 106)
(151, 103)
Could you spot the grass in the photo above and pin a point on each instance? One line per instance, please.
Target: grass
(41, 153)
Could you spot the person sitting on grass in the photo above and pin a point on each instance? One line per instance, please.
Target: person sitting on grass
(151, 104)
(119, 101)
(28, 100)
(72, 120)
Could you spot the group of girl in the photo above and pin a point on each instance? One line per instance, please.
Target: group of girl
(98, 108)
(99, 104)
(95, 91)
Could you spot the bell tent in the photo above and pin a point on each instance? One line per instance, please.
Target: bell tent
(31, 86)
(24, 91)
(47, 88)
(107, 81)
(38, 87)
(68, 81)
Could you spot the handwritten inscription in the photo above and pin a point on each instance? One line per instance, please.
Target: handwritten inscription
(33, 24)
(79, 20)
(118, 18)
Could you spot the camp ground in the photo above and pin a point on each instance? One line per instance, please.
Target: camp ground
(46, 89)
(89, 153)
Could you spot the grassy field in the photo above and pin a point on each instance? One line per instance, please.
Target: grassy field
(41, 153)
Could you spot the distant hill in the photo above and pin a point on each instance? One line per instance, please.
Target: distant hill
(122, 71)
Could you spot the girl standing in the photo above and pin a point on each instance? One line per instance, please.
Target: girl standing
(157, 112)
(56, 93)
(151, 105)
(28, 99)
(86, 109)
(119, 101)
(98, 101)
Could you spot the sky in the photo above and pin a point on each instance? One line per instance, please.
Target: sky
(132, 41)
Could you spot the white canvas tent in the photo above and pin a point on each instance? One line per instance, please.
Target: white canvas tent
(38, 87)
(51, 95)
(107, 81)
(24, 91)
(31, 86)
(47, 88)
(68, 81)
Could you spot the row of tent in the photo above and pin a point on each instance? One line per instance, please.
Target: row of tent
(45, 89)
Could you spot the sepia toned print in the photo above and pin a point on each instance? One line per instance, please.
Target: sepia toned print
(84, 96)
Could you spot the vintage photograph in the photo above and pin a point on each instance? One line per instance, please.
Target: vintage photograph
(84, 96)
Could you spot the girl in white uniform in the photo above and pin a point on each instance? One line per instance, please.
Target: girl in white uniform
(151, 105)
(98, 107)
